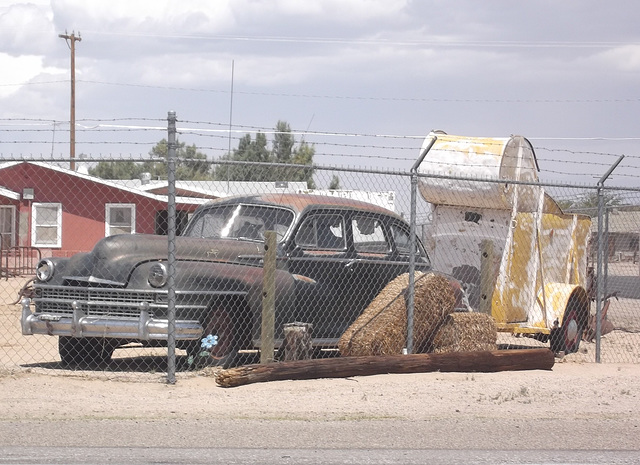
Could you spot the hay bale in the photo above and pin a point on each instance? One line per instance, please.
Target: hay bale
(462, 332)
(434, 301)
(382, 328)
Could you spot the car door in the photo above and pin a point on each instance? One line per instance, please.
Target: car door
(373, 267)
(319, 259)
(382, 248)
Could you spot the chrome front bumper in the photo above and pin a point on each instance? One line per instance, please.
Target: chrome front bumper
(143, 327)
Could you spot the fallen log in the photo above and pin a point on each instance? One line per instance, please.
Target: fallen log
(344, 367)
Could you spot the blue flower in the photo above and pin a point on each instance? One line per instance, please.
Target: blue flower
(209, 341)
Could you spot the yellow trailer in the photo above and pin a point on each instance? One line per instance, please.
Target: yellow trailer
(493, 227)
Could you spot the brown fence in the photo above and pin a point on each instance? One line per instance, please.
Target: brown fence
(19, 261)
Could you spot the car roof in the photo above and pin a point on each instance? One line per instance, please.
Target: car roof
(301, 202)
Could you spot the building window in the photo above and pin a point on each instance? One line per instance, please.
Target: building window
(47, 225)
(7, 226)
(120, 219)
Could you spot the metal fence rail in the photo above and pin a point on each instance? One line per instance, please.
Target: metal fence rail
(18, 261)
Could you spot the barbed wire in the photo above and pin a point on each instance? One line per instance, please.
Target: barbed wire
(325, 147)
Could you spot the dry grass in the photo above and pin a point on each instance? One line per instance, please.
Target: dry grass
(462, 332)
(381, 328)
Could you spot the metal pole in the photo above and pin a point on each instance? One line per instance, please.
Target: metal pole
(599, 275)
(230, 120)
(413, 246)
(605, 265)
(171, 239)
(599, 282)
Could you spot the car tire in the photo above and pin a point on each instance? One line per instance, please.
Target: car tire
(71, 350)
(217, 322)
(76, 351)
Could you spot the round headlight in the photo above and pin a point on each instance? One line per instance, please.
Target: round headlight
(44, 270)
(158, 275)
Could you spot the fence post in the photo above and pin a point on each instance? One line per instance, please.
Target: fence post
(599, 274)
(171, 239)
(268, 298)
(413, 245)
(487, 276)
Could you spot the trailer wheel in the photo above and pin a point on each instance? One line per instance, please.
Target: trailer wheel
(567, 337)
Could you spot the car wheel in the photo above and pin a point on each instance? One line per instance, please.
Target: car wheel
(101, 349)
(77, 350)
(71, 350)
(219, 323)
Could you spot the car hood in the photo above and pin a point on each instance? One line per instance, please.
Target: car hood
(114, 257)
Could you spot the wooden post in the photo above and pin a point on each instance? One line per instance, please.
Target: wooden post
(297, 341)
(268, 298)
(487, 276)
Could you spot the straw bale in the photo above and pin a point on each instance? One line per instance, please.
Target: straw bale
(381, 328)
(463, 332)
(434, 301)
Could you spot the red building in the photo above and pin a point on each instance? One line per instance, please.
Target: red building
(61, 212)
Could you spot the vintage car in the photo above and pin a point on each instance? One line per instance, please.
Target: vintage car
(334, 255)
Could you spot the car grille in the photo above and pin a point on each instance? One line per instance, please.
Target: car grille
(95, 301)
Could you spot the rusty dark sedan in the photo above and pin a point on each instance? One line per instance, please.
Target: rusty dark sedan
(334, 256)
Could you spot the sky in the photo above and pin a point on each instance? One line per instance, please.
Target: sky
(365, 81)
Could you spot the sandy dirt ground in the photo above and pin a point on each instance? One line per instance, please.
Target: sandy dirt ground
(578, 404)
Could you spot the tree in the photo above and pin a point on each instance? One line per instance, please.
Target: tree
(283, 143)
(116, 170)
(250, 151)
(284, 153)
(335, 183)
(191, 164)
(588, 203)
(303, 155)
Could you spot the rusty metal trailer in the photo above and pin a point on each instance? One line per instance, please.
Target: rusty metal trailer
(495, 228)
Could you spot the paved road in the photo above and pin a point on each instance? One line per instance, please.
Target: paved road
(138, 456)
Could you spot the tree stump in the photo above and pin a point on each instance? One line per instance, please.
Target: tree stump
(297, 341)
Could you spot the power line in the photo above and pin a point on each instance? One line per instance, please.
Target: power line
(432, 42)
(371, 98)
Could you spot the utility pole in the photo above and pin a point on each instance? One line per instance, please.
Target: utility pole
(71, 41)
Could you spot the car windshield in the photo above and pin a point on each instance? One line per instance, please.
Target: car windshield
(240, 221)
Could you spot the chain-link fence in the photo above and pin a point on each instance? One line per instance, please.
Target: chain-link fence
(167, 275)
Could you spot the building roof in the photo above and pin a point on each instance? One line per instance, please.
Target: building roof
(94, 179)
(217, 189)
(622, 221)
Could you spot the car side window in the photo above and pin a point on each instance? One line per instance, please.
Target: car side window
(207, 226)
(368, 235)
(402, 239)
(322, 231)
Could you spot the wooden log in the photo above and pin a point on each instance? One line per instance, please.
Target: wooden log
(343, 367)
